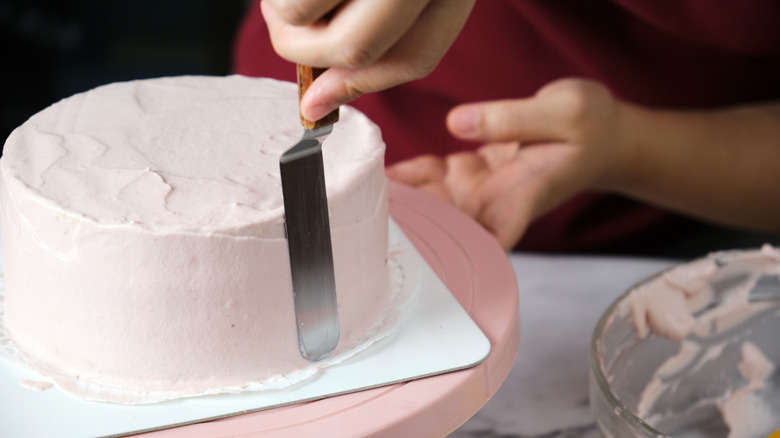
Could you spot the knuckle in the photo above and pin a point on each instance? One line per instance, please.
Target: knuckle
(421, 67)
(577, 99)
(357, 56)
(497, 154)
(498, 121)
(458, 159)
(461, 163)
(352, 89)
(292, 12)
(575, 102)
(432, 164)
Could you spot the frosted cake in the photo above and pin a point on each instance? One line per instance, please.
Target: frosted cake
(143, 236)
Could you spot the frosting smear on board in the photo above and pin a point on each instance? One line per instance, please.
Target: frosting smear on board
(143, 236)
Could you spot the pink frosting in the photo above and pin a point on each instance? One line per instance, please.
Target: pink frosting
(676, 306)
(143, 235)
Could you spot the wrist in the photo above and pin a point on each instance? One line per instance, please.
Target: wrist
(625, 148)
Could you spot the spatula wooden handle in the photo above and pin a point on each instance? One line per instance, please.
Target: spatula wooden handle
(306, 75)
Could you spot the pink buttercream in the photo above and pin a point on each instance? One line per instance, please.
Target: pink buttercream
(682, 305)
(143, 235)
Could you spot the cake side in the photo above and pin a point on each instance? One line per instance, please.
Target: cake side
(140, 256)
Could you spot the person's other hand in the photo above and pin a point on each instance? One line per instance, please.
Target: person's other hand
(369, 45)
(539, 152)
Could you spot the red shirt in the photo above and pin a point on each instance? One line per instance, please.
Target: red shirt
(672, 54)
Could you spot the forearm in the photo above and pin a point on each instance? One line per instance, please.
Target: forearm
(719, 165)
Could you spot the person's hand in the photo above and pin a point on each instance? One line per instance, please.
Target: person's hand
(369, 45)
(540, 151)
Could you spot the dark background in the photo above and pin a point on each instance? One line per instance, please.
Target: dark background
(51, 49)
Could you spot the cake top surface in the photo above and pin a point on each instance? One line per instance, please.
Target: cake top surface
(190, 152)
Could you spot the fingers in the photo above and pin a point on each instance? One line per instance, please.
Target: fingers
(540, 178)
(559, 111)
(488, 186)
(302, 12)
(509, 199)
(455, 179)
(506, 120)
(497, 154)
(501, 186)
(426, 173)
(338, 86)
(465, 173)
(397, 44)
(356, 36)
(418, 171)
(437, 190)
(567, 135)
(414, 56)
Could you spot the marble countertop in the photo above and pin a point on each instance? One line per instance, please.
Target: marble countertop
(561, 299)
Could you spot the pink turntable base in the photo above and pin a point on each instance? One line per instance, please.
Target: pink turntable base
(479, 275)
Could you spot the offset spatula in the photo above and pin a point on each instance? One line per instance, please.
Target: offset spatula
(308, 233)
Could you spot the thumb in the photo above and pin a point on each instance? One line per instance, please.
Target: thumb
(337, 86)
(525, 120)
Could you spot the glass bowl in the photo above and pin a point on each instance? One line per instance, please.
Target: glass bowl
(691, 351)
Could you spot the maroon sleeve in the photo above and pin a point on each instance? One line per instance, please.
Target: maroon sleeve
(661, 53)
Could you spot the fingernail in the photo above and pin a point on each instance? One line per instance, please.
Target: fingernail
(319, 111)
(464, 121)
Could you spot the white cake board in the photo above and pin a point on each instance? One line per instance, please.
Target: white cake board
(434, 335)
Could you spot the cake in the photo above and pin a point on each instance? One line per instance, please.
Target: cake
(143, 236)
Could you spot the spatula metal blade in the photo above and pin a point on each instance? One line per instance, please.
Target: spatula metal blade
(308, 240)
